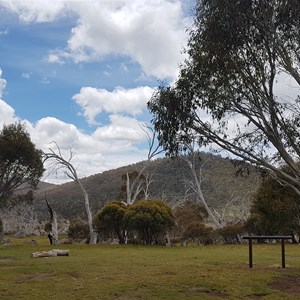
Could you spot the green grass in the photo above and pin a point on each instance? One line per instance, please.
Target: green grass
(138, 272)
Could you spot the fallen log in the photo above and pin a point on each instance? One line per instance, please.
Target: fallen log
(61, 252)
(50, 253)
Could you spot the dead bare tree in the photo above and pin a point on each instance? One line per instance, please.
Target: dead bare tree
(194, 183)
(60, 163)
(234, 211)
(20, 219)
(142, 181)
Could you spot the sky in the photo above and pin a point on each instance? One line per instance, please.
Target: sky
(81, 72)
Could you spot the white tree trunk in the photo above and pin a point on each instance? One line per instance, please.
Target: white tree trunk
(93, 234)
(195, 185)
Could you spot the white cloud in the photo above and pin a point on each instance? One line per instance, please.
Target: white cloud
(108, 147)
(94, 101)
(150, 32)
(7, 114)
(2, 83)
(121, 128)
(35, 11)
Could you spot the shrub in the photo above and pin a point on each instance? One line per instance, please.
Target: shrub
(150, 219)
(78, 230)
(110, 221)
(198, 231)
(231, 233)
(275, 209)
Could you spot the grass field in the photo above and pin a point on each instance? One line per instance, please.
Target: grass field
(138, 272)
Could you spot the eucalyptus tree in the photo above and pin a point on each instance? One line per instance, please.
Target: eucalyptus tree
(227, 94)
(21, 163)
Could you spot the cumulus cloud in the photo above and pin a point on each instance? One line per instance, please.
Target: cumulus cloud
(121, 128)
(150, 32)
(94, 101)
(147, 31)
(7, 114)
(35, 11)
(107, 147)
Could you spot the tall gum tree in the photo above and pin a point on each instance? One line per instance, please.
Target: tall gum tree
(226, 95)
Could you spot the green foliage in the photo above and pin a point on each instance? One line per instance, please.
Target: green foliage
(111, 219)
(189, 212)
(237, 51)
(189, 220)
(78, 230)
(150, 219)
(20, 162)
(275, 209)
(230, 233)
(198, 231)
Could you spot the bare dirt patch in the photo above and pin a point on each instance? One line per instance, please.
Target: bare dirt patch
(289, 284)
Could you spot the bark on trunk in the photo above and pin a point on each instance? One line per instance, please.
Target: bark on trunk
(53, 234)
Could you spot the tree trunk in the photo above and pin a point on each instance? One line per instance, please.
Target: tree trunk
(93, 234)
(195, 184)
(168, 239)
(53, 234)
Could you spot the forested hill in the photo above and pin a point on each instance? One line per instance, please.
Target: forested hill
(221, 181)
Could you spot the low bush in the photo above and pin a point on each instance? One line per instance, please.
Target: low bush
(78, 230)
(231, 233)
(198, 231)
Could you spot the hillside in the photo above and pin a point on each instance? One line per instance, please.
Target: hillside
(220, 183)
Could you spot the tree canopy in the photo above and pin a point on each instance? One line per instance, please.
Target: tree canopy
(21, 164)
(150, 218)
(112, 218)
(275, 209)
(227, 94)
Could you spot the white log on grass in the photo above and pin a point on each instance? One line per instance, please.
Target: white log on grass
(50, 253)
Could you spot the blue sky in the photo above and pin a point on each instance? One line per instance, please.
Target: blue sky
(81, 72)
